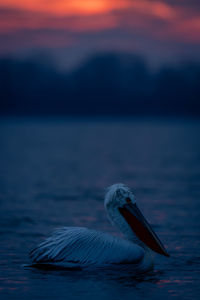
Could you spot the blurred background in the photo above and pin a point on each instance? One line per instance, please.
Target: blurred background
(92, 93)
(100, 57)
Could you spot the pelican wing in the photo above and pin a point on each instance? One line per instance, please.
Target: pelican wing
(83, 247)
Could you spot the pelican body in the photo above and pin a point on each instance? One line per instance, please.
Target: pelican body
(78, 247)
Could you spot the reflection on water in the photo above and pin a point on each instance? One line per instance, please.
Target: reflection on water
(54, 173)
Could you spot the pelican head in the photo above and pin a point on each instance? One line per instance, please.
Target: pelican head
(120, 204)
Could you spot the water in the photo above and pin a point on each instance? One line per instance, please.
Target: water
(54, 173)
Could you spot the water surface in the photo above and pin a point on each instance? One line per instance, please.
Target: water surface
(54, 173)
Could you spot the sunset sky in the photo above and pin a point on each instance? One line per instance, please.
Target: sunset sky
(72, 29)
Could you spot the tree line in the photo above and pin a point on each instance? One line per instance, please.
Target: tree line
(107, 84)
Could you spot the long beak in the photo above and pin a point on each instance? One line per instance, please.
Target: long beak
(142, 228)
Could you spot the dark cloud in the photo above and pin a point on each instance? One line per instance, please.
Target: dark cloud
(184, 3)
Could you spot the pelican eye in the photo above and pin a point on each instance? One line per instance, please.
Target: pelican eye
(128, 200)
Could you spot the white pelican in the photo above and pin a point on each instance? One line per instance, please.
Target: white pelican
(78, 247)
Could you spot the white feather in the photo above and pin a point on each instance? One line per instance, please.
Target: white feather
(83, 247)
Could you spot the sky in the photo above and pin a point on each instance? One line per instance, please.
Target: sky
(70, 30)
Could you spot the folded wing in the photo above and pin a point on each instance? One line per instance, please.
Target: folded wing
(84, 247)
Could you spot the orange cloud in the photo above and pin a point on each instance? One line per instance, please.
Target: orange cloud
(89, 7)
(66, 7)
(150, 20)
(19, 20)
(187, 31)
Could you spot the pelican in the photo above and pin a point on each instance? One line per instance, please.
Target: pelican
(78, 247)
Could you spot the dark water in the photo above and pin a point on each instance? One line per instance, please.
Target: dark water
(54, 173)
